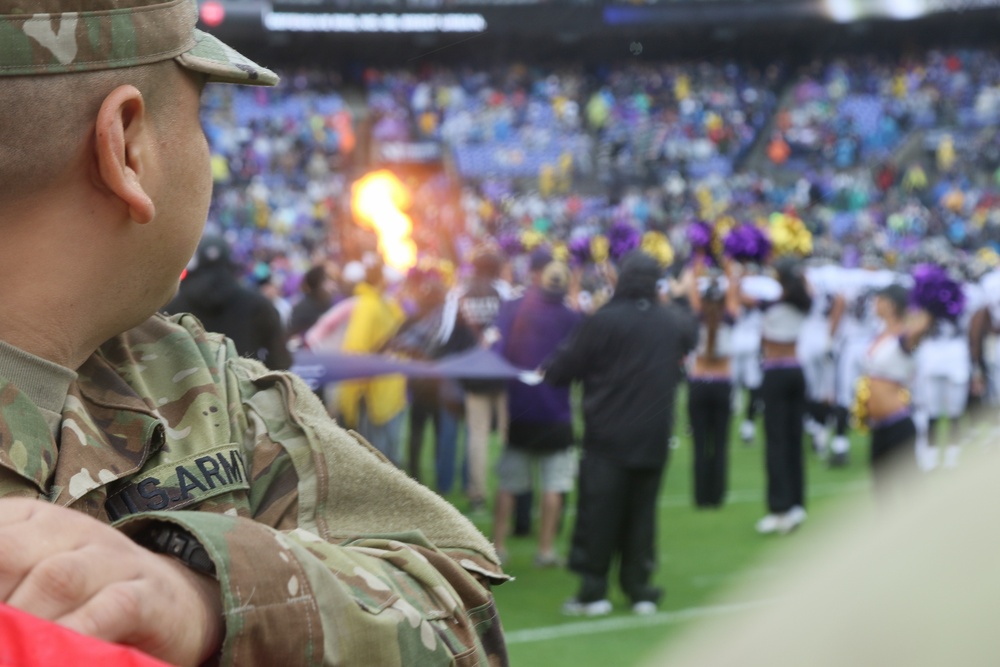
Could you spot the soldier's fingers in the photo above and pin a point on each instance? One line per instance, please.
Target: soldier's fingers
(117, 613)
(19, 551)
(43, 533)
(63, 582)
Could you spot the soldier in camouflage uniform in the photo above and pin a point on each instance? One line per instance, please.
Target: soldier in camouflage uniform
(158, 490)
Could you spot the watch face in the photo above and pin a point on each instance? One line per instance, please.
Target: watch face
(177, 542)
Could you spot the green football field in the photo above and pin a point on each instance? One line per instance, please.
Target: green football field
(702, 555)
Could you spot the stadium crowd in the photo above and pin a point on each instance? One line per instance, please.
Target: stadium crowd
(824, 239)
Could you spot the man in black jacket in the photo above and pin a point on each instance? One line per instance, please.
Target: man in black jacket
(212, 293)
(628, 356)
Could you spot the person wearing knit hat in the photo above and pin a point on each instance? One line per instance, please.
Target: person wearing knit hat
(632, 347)
(164, 492)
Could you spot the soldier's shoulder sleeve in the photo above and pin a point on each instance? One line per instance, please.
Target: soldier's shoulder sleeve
(357, 565)
(182, 337)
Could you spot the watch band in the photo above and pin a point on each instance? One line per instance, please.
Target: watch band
(171, 540)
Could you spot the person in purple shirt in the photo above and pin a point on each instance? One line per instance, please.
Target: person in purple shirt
(541, 429)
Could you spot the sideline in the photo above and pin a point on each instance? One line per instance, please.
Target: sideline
(618, 623)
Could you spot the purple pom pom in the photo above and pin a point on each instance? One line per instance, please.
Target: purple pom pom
(747, 243)
(737, 244)
(700, 235)
(623, 238)
(936, 292)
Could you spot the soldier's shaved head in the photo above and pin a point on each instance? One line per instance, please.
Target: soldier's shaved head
(61, 58)
(47, 122)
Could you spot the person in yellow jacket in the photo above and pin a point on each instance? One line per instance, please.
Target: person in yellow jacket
(374, 407)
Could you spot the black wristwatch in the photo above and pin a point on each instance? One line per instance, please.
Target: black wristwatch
(171, 540)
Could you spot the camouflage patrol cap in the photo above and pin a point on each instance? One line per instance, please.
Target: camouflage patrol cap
(63, 36)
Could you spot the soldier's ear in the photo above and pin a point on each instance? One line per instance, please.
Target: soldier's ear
(125, 147)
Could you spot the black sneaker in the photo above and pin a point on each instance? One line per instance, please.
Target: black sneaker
(839, 460)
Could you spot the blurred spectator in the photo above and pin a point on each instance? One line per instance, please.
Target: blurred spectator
(267, 286)
(374, 407)
(540, 433)
(317, 296)
(420, 338)
(628, 356)
(211, 292)
(327, 334)
(478, 304)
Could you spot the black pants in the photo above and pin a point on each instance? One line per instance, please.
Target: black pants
(616, 516)
(784, 394)
(424, 406)
(892, 454)
(709, 413)
(753, 404)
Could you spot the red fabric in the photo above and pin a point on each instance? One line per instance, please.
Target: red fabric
(26, 641)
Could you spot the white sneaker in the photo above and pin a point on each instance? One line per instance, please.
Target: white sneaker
(747, 431)
(820, 437)
(929, 459)
(552, 559)
(769, 524)
(644, 608)
(574, 607)
(792, 519)
(951, 455)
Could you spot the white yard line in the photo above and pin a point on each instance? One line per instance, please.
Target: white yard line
(619, 623)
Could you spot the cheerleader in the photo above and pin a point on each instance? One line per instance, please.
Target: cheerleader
(784, 393)
(716, 303)
(883, 398)
(750, 246)
(747, 373)
(815, 351)
(944, 368)
(984, 343)
(976, 302)
(944, 374)
(855, 333)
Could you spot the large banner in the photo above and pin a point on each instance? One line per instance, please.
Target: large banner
(319, 369)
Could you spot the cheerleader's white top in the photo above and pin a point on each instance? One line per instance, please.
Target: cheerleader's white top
(723, 339)
(887, 360)
(782, 323)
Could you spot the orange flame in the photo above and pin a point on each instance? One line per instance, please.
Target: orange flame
(378, 200)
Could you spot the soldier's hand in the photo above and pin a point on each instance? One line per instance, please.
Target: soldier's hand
(61, 565)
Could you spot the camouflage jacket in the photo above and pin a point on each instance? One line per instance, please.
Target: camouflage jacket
(326, 554)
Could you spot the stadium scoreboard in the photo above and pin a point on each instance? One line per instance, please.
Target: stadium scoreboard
(249, 18)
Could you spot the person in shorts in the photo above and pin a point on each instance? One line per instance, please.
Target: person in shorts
(540, 433)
